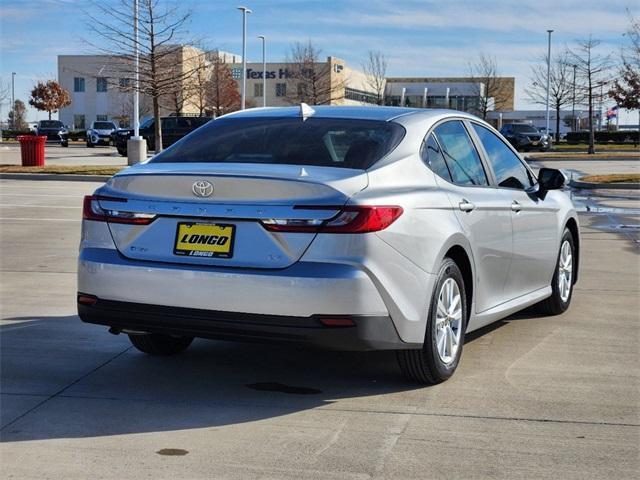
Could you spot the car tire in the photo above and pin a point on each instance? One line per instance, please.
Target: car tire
(560, 298)
(64, 144)
(159, 344)
(427, 365)
(89, 144)
(122, 152)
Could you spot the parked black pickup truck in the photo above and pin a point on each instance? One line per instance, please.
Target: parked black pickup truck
(173, 129)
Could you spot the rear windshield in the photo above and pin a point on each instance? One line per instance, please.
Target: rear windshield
(50, 124)
(104, 126)
(322, 142)
(524, 129)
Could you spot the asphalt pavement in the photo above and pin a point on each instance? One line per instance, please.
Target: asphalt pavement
(534, 397)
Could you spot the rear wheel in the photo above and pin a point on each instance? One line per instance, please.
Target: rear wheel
(562, 283)
(89, 143)
(440, 354)
(122, 151)
(158, 344)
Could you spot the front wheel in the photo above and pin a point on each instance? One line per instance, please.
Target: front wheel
(440, 354)
(562, 282)
(159, 344)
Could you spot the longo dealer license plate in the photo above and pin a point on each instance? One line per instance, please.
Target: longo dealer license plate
(204, 240)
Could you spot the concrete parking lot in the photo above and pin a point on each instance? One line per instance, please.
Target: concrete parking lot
(534, 397)
(75, 154)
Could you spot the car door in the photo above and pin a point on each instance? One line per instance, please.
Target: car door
(482, 211)
(534, 220)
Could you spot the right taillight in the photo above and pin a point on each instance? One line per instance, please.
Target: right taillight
(92, 210)
(349, 219)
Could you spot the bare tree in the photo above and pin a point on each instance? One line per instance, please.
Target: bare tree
(560, 85)
(18, 116)
(198, 86)
(489, 89)
(375, 69)
(626, 88)
(222, 94)
(165, 63)
(592, 73)
(311, 80)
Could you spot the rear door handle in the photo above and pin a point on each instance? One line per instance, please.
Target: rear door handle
(466, 206)
(516, 207)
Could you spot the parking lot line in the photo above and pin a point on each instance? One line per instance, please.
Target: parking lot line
(31, 219)
(38, 206)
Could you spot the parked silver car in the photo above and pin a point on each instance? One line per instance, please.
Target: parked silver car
(342, 227)
(100, 133)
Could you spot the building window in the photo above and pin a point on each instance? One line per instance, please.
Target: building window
(124, 82)
(236, 73)
(101, 118)
(101, 84)
(78, 120)
(78, 84)
(258, 89)
(281, 89)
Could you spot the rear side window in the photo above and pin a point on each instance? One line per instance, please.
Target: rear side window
(460, 154)
(507, 167)
(323, 142)
(433, 157)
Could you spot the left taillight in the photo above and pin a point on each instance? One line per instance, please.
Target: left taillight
(92, 210)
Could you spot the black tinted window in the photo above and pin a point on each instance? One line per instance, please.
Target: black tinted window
(507, 167)
(104, 126)
(326, 142)
(524, 129)
(460, 154)
(432, 156)
(51, 124)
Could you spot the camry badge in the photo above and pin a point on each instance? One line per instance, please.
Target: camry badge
(202, 188)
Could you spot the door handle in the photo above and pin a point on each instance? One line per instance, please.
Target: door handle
(516, 207)
(466, 206)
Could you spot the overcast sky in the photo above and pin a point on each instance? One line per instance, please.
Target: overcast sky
(419, 37)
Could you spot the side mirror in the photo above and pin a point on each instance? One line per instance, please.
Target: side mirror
(551, 179)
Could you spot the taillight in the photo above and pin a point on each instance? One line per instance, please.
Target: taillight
(349, 219)
(93, 211)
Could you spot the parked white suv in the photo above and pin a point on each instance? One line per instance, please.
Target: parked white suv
(100, 133)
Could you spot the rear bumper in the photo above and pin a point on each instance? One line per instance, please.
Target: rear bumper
(237, 303)
(369, 332)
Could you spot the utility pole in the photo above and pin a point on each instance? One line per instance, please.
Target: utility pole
(548, 76)
(136, 145)
(243, 100)
(264, 69)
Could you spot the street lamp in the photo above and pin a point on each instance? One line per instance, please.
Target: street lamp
(136, 145)
(573, 102)
(13, 100)
(548, 75)
(245, 11)
(264, 69)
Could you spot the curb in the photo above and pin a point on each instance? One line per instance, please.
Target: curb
(609, 186)
(55, 176)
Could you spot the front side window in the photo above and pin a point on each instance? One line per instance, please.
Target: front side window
(507, 167)
(432, 155)
(101, 84)
(78, 84)
(460, 155)
(320, 142)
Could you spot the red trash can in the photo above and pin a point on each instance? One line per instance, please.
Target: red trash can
(32, 150)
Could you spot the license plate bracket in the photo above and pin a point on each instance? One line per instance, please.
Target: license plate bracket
(204, 240)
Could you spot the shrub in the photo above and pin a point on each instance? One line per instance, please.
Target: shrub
(620, 137)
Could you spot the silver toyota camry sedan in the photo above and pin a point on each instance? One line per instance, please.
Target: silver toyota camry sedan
(354, 228)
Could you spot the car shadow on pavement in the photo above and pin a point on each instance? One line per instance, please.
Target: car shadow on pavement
(61, 378)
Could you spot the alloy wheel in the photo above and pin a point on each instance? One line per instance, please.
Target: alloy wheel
(565, 267)
(448, 321)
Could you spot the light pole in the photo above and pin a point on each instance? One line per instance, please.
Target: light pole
(264, 69)
(243, 100)
(573, 102)
(548, 76)
(136, 145)
(13, 100)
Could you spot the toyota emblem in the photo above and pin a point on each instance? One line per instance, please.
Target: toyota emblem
(202, 188)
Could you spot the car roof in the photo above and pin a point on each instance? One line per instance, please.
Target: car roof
(338, 111)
